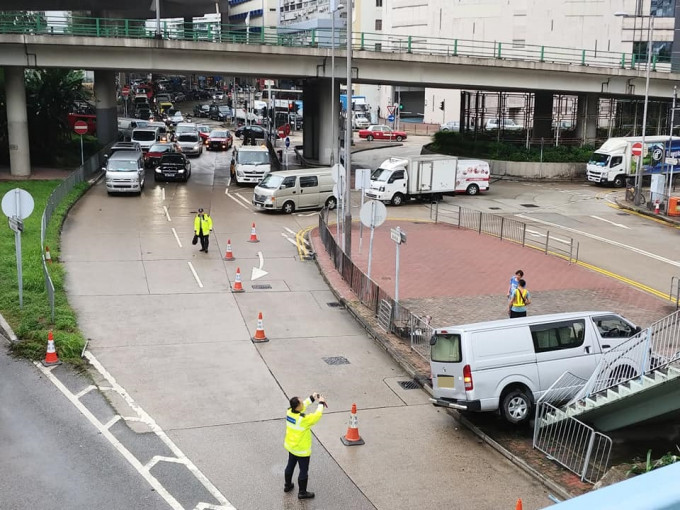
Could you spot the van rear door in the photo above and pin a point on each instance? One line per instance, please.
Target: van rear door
(446, 365)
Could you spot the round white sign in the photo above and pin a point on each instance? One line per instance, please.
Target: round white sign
(373, 213)
(17, 202)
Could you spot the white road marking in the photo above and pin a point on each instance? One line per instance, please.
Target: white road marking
(179, 243)
(163, 194)
(608, 221)
(159, 458)
(167, 214)
(238, 202)
(307, 214)
(243, 199)
(291, 241)
(540, 234)
(258, 272)
(111, 439)
(604, 240)
(84, 392)
(290, 231)
(198, 280)
(226, 190)
(145, 418)
(112, 421)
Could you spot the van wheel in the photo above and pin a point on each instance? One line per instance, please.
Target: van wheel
(472, 189)
(288, 208)
(397, 199)
(331, 203)
(619, 182)
(516, 407)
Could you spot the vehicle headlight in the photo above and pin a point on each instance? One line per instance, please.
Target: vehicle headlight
(269, 200)
(382, 188)
(240, 173)
(197, 146)
(158, 169)
(181, 171)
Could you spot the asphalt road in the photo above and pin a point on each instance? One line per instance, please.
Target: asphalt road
(164, 324)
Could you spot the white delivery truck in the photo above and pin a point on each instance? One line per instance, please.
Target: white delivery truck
(427, 177)
(251, 164)
(614, 161)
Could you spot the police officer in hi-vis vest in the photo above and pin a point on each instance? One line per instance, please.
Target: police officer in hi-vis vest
(298, 440)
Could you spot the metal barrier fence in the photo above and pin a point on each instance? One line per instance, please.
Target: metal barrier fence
(81, 174)
(322, 37)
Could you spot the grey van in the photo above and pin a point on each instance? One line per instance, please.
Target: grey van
(290, 190)
(125, 172)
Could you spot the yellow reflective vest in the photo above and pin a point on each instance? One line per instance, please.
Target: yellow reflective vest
(299, 429)
(519, 299)
(206, 223)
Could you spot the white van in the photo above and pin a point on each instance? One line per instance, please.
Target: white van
(127, 126)
(146, 137)
(291, 190)
(125, 172)
(508, 364)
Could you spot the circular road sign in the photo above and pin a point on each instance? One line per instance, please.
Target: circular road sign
(337, 171)
(287, 142)
(390, 118)
(373, 213)
(125, 92)
(636, 149)
(80, 127)
(17, 202)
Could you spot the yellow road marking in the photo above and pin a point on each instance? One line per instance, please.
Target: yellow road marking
(643, 216)
(303, 252)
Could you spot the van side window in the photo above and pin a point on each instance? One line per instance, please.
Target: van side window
(611, 326)
(288, 182)
(616, 160)
(445, 348)
(309, 181)
(558, 335)
(398, 174)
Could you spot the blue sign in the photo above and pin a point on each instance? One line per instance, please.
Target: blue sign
(390, 118)
(287, 142)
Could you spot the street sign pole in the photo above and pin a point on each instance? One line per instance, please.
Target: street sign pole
(373, 214)
(396, 276)
(16, 211)
(370, 242)
(82, 156)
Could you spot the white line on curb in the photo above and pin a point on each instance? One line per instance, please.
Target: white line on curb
(176, 237)
(198, 280)
(167, 214)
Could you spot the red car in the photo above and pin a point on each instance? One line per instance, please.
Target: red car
(153, 156)
(204, 133)
(219, 139)
(381, 132)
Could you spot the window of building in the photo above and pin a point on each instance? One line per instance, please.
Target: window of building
(518, 43)
(661, 49)
(378, 3)
(378, 24)
(378, 46)
(663, 8)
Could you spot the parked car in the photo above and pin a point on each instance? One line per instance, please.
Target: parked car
(220, 139)
(258, 132)
(381, 132)
(202, 110)
(452, 125)
(175, 166)
(157, 150)
(190, 143)
(203, 132)
(508, 125)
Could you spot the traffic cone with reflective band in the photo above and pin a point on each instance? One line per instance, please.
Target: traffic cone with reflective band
(253, 235)
(238, 287)
(229, 255)
(51, 357)
(656, 207)
(352, 437)
(518, 506)
(48, 257)
(259, 332)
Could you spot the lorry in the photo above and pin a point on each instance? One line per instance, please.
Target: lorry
(359, 103)
(251, 164)
(427, 177)
(614, 161)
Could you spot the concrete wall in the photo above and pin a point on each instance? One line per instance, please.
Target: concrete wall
(531, 170)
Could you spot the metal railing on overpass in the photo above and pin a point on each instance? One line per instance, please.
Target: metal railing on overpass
(322, 37)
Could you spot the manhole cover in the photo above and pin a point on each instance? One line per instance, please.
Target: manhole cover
(261, 286)
(336, 360)
(528, 205)
(494, 208)
(409, 385)
(334, 304)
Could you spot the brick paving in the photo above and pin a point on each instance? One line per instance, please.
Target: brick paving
(458, 276)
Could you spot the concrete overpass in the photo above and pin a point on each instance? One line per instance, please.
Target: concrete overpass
(403, 65)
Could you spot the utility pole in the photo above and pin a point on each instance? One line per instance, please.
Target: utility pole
(348, 139)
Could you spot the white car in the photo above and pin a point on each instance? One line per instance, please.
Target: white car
(176, 118)
(508, 125)
(452, 125)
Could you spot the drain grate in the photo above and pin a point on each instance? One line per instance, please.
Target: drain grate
(494, 208)
(261, 286)
(409, 385)
(336, 360)
(528, 205)
(334, 304)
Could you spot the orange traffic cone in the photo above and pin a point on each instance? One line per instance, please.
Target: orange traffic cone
(656, 207)
(229, 255)
(518, 506)
(352, 437)
(259, 337)
(253, 235)
(51, 357)
(48, 257)
(237, 282)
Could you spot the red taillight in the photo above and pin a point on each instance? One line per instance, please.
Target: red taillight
(467, 378)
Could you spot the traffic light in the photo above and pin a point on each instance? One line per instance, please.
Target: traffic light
(401, 106)
(290, 106)
(441, 106)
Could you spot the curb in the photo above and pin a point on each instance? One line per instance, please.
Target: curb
(379, 338)
(645, 212)
(7, 331)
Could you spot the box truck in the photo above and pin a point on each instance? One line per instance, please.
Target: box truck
(427, 177)
(614, 161)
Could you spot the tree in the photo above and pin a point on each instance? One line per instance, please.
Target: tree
(22, 18)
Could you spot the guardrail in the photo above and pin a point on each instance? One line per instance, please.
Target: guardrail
(81, 174)
(322, 37)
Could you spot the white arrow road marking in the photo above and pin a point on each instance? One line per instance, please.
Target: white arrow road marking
(198, 280)
(167, 214)
(238, 202)
(608, 221)
(604, 240)
(258, 272)
(179, 243)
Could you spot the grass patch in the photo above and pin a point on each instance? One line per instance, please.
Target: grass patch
(32, 323)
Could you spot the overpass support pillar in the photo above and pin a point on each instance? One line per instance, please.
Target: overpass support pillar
(317, 138)
(17, 122)
(586, 117)
(543, 110)
(105, 97)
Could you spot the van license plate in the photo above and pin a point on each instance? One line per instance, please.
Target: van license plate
(445, 381)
